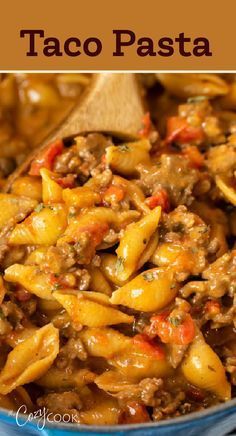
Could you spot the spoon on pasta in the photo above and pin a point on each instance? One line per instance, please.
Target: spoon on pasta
(111, 104)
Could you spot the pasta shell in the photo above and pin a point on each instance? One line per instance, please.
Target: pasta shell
(136, 364)
(91, 311)
(124, 158)
(17, 336)
(29, 360)
(228, 192)
(104, 342)
(32, 278)
(41, 228)
(104, 409)
(148, 292)
(81, 197)
(134, 242)
(203, 368)
(28, 186)
(52, 192)
(57, 378)
(98, 282)
(191, 85)
(109, 268)
(11, 206)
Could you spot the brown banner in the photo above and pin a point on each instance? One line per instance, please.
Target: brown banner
(117, 35)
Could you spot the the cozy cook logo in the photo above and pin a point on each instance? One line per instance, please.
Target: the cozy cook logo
(41, 416)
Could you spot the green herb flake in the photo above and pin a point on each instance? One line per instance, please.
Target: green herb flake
(211, 368)
(39, 207)
(120, 265)
(123, 148)
(56, 286)
(197, 99)
(179, 227)
(72, 214)
(2, 316)
(175, 321)
(149, 276)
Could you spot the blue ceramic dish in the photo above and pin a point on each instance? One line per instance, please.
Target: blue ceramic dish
(216, 421)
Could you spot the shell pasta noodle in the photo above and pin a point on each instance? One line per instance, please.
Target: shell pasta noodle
(118, 259)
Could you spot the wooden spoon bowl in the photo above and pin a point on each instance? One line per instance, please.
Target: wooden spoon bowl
(111, 104)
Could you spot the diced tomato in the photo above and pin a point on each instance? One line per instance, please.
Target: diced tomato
(46, 158)
(103, 158)
(113, 193)
(170, 332)
(67, 181)
(212, 307)
(134, 413)
(146, 129)
(194, 155)
(97, 232)
(180, 131)
(148, 346)
(55, 281)
(159, 199)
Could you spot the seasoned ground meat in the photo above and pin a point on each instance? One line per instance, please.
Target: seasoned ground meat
(65, 403)
(172, 173)
(82, 157)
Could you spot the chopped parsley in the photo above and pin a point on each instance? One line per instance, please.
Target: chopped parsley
(120, 265)
(123, 148)
(56, 286)
(72, 214)
(211, 368)
(42, 206)
(196, 99)
(149, 276)
(175, 321)
(178, 227)
(39, 207)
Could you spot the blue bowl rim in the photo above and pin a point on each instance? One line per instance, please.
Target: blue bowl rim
(207, 415)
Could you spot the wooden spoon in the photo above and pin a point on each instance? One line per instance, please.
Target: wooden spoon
(112, 104)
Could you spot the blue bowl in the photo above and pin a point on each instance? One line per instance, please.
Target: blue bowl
(216, 421)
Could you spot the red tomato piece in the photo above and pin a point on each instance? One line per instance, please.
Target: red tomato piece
(145, 131)
(46, 158)
(170, 331)
(148, 346)
(134, 413)
(212, 307)
(159, 199)
(179, 130)
(66, 182)
(194, 155)
(115, 193)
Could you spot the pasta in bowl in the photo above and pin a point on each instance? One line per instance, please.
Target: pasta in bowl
(118, 276)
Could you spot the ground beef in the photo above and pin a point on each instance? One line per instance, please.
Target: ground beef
(190, 235)
(82, 157)
(173, 174)
(220, 279)
(62, 403)
(143, 392)
(73, 349)
(227, 165)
